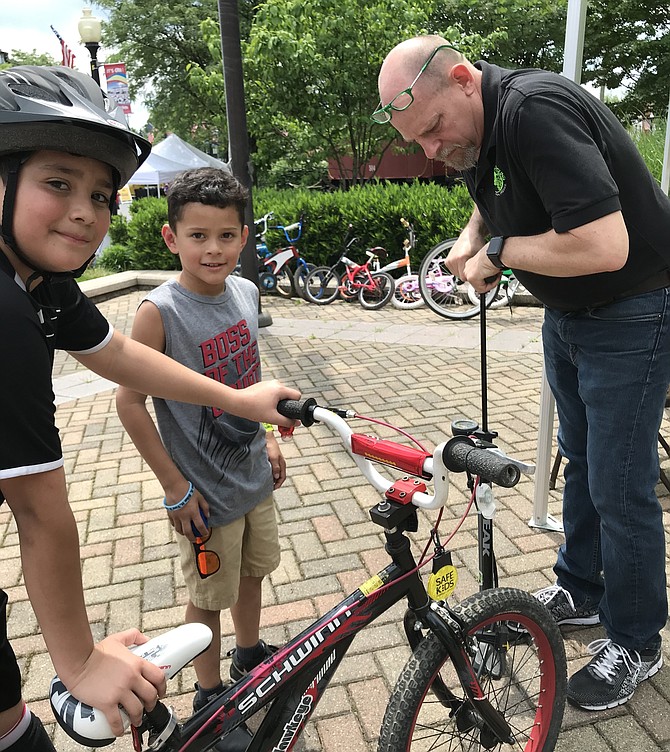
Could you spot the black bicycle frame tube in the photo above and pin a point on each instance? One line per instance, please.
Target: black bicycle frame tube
(299, 672)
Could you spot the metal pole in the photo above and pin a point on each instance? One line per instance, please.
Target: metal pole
(572, 68)
(665, 177)
(238, 137)
(92, 48)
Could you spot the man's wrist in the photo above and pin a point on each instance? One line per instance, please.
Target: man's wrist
(494, 252)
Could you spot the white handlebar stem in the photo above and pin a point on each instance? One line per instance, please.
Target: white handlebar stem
(433, 466)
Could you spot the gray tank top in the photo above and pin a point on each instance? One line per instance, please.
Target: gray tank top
(225, 457)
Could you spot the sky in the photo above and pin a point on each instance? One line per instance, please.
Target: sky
(25, 25)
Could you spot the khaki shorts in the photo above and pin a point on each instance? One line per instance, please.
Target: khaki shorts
(248, 547)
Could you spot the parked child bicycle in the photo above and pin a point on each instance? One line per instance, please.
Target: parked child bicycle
(217, 471)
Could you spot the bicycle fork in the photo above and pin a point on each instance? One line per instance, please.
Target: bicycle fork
(449, 632)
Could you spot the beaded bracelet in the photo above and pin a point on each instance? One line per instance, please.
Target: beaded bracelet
(268, 427)
(181, 503)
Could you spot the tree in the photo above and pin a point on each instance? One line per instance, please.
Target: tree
(159, 41)
(627, 44)
(511, 33)
(19, 57)
(312, 69)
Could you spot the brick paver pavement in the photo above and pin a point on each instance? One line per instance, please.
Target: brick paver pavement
(414, 370)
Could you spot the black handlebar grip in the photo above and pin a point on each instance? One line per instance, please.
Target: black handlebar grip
(302, 410)
(461, 454)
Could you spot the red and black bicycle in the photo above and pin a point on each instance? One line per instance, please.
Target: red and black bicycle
(488, 673)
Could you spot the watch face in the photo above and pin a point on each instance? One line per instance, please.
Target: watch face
(494, 250)
(463, 427)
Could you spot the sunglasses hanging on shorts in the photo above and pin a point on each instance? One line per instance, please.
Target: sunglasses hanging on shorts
(207, 562)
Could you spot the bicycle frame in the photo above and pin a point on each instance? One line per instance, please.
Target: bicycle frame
(353, 271)
(296, 677)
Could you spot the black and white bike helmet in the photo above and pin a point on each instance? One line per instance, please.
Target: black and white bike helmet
(60, 109)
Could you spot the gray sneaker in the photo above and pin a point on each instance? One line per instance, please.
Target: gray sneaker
(611, 676)
(562, 607)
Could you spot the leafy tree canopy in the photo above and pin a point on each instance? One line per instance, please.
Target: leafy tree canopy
(19, 57)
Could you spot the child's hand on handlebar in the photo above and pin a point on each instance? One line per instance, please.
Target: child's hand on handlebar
(260, 402)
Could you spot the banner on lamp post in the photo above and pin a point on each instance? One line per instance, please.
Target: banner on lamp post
(117, 85)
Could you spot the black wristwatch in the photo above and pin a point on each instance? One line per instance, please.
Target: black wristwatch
(494, 250)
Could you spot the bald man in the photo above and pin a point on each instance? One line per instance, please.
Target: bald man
(563, 197)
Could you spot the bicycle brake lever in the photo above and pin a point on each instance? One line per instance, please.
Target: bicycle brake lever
(525, 468)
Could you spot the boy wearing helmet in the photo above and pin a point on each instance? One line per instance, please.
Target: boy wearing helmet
(63, 156)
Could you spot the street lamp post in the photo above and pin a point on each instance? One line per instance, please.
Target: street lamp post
(90, 32)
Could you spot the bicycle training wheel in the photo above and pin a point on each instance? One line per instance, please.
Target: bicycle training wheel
(522, 674)
(321, 285)
(407, 295)
(444, 293)
(379, 293)
(285, 282)
(299, 277)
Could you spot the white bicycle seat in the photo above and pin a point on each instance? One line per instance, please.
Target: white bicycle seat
(170, 651)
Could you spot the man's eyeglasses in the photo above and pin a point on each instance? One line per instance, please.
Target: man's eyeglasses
(207, 562)
(402, 101)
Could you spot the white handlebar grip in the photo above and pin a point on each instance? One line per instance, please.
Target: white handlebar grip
(170, 651)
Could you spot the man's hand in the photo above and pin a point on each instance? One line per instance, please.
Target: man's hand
(480, 272)
(460, 253)
(114, 676)
(277, 461)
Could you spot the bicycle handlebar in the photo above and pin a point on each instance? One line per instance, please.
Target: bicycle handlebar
(460, 454)
(457, 455)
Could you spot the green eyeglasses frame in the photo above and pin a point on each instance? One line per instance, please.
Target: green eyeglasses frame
(383, 114)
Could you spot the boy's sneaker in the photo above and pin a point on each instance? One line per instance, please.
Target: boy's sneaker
(562, 607)
(202, 698)
(612, 675)
(237, 670)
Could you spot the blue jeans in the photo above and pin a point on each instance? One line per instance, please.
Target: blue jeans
(609, 370)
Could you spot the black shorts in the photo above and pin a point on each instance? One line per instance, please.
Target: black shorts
(10, 676)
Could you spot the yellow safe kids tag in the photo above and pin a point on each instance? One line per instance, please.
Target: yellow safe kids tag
(442, 582)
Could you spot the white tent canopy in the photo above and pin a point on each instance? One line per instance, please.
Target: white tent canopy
(170, 157)
(178, 150)
(157, 170)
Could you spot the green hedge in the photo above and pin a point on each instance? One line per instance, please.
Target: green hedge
(374, 211)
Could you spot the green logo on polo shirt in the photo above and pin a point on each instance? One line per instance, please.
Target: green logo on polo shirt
(499, 181)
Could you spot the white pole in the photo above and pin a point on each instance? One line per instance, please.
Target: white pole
(665, 177)
(572, 68)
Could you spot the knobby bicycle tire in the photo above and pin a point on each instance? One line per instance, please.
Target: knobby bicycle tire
(522, 673)
(372, 299)
(321, 285)
(446, 295)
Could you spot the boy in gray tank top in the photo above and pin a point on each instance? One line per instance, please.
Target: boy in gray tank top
(217, 471)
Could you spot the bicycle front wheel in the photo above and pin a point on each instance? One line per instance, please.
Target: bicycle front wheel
(407, 295)
(299, 277)
(285, 282)
(321, 285)
(522, 673)
(377, 295)
(444, 293)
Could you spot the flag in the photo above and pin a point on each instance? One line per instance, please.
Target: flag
(67, 54)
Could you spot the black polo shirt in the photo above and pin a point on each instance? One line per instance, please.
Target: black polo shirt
(32, 327)
(554, 157)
